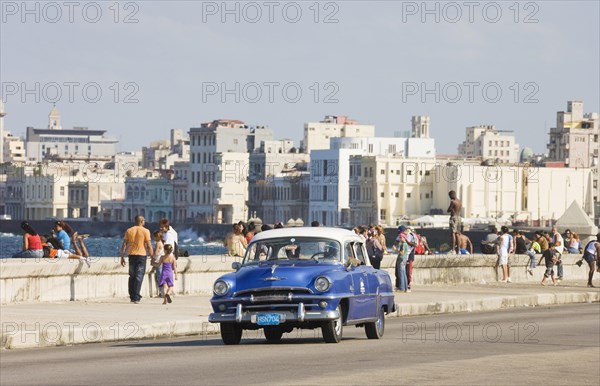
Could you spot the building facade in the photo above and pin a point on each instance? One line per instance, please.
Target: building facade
(318, 134)
(488, 143)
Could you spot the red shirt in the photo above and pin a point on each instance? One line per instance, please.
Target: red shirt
(34, 242)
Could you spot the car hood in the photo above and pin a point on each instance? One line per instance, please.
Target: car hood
(281, 274)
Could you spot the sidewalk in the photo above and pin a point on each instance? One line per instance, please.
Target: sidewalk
(65, 323)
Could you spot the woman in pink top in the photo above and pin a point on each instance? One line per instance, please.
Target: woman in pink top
(32, 244)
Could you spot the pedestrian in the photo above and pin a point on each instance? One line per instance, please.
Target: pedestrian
(170, 236)
(524, 247)
(315, 224)
(455, 221)
(251, 231)
(158, 252)
(62, 236)
(56, 253)
(76, 240)
(542, 241)
(558, 245)
(168, 272)
(401, 260)
(138, 246)
(571, 242)
(503, 248)
(381, 237)
(464, 242)
(591, 254)
(32, 244)
(412, 240)
(236, 242)
(550, 257)
(488, 245)
(374, 249)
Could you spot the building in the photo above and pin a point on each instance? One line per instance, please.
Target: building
(219, 168)
(385, 189)
(575, 142)
(55, 143)
(14, 149)
(317, 134)
(181, 171)
(487, 143)
(332, 170)
(2, 115)
(278, 182)
(85, 197)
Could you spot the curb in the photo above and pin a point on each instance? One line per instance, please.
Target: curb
(52, 335)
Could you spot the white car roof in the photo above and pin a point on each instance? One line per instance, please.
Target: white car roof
(322, 232)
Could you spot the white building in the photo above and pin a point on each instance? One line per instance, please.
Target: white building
(2, 115)
(79, 143)
(488, 143)
(385, 189)
(278, 182)
(13, 149)
(317, 134)
(219, 168)
(575, 142)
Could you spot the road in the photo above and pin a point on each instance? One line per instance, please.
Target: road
(551, 345)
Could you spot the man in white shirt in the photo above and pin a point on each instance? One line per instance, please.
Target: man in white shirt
(558, 245)
(169, 235)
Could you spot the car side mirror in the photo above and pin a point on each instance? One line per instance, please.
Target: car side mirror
(236, 265)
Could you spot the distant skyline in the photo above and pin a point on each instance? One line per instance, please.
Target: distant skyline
(373, 65)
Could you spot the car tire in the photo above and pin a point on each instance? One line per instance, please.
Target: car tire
(273, 334)
(374, 330)
(332, 330)
(231, 333)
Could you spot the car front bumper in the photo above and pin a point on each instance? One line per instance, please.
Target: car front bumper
(298, 315)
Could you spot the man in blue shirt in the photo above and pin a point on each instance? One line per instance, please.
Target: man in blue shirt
(63, 237)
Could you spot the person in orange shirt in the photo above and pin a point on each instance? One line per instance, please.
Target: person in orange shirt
(138, 246)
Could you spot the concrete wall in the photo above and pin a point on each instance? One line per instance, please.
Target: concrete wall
(44, 280)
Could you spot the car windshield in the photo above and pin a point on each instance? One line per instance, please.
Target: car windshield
(293, 248)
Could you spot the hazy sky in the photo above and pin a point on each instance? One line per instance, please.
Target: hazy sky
(177, 63)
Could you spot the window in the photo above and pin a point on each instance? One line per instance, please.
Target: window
(62, 191)
(407, 195)
(382, 194)
(409, 172)
(426, 195)
(382, 214)
(382, 172)
(397, 194)
(235, 141)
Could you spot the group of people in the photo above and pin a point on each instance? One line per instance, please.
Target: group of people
(551, 246)
(138, 245)
(63, 242)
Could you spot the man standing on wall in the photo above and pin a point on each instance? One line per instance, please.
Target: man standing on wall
(455, 223)
(138, 246)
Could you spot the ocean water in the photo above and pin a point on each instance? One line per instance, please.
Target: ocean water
(111, 246)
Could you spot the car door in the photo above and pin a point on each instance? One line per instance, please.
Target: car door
(364, 302)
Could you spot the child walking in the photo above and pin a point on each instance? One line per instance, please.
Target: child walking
(169, 272)
(550, 258)
(158, 252)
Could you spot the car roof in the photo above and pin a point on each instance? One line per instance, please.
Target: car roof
(321, 232)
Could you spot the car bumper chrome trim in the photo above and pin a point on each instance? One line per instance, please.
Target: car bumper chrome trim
(299, 315)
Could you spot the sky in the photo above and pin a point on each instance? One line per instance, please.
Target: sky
(140, 68)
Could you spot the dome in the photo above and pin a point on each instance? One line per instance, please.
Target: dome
(526, 154)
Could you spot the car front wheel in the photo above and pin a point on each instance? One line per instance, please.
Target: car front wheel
(332, 330)
(374, 330)
(231, 333)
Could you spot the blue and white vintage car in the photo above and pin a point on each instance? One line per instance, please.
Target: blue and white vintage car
(302, 278)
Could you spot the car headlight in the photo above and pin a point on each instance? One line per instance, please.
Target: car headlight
(322, 284)
(220, 288)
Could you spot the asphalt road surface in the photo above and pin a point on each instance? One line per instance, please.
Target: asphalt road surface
(549, 345)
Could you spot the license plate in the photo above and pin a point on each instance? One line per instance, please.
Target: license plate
(268, 319)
